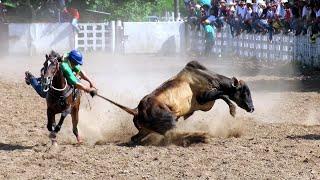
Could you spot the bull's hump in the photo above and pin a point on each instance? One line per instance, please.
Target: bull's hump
(195, 65)
(167, 86)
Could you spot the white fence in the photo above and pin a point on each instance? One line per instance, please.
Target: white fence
(96, 37)
(155, 37)
(39, 38)
(283, 47)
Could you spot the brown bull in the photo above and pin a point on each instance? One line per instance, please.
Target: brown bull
(194, 88)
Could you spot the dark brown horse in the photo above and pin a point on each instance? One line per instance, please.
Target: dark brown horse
(61, 97)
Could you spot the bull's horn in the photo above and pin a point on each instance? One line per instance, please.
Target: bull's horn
(128, 110)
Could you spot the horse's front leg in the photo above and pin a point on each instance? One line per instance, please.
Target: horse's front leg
(75, 121)
(51, 125)
(64, 114)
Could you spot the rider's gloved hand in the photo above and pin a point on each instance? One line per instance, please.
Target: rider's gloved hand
(93, 92)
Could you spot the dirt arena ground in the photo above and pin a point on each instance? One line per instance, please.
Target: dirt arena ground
(280, 140)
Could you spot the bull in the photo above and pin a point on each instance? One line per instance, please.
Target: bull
(193, 88)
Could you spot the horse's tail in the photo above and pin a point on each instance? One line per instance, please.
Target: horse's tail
(128, 110)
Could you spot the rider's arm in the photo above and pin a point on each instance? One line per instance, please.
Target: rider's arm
(79, 85)
(84, 76)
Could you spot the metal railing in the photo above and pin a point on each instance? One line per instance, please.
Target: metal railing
(285, 48)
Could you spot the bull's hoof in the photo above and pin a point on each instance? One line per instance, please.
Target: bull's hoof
(135, 139)
(232, 110)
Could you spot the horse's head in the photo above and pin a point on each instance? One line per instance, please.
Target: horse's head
(49, 70)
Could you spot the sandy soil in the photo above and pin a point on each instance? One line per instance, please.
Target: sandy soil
(280, 140)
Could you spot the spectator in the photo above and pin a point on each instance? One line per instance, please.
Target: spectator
(315, 28)
(3, 11)
(248, 18)
(257, 16)
(75, 15)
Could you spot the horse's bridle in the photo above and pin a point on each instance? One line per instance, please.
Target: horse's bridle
(47, 81)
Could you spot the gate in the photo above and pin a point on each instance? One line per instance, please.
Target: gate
(96, 37)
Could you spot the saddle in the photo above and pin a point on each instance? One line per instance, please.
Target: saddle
(71, 91)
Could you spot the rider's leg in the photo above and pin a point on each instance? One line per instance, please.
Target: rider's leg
(37, 86)
(35, 83)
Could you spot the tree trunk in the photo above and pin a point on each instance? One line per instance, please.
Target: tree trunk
(32, 10)
(176, 9)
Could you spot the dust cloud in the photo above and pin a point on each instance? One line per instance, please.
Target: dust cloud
(126, 79)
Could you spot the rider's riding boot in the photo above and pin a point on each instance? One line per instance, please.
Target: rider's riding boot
(28, 77)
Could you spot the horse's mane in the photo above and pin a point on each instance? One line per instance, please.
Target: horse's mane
(55, 55)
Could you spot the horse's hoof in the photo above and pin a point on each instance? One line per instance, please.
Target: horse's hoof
(54, 143)
(79, 139)
(52, 135)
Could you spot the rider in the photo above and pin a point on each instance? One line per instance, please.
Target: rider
(70, 66)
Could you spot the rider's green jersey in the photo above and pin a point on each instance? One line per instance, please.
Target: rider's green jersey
(69, 72)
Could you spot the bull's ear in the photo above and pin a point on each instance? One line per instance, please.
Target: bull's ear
(47, 57)
(235, 82)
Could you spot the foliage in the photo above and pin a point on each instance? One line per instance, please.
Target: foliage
(125, 10)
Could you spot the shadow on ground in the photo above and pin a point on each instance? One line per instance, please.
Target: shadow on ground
(305, 137)
(12, 147)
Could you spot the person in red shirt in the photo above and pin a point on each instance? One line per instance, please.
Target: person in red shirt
(3, 11)
(75, 15)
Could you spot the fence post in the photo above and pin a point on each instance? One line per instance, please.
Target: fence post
(113, 37)
(4, 39)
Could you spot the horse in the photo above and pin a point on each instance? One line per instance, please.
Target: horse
(61, 97)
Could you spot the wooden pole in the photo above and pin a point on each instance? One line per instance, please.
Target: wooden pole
(176, 9)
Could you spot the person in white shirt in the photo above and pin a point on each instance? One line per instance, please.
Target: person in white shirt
(240, 17)
(248, 18)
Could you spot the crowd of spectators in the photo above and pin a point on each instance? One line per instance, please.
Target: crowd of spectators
(3, 12)
(297, 17)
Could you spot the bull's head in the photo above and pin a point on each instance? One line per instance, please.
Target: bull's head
(241, 95)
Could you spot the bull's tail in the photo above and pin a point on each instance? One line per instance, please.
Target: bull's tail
(128, 110)
(185, 138)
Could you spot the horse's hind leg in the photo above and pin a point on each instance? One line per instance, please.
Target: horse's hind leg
(75, 120)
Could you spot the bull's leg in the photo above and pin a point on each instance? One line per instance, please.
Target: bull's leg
(187, 116)
(75, 120)
(160, 120)
(214, 95)
(138, 137)
(209, 96)
(232, 107)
